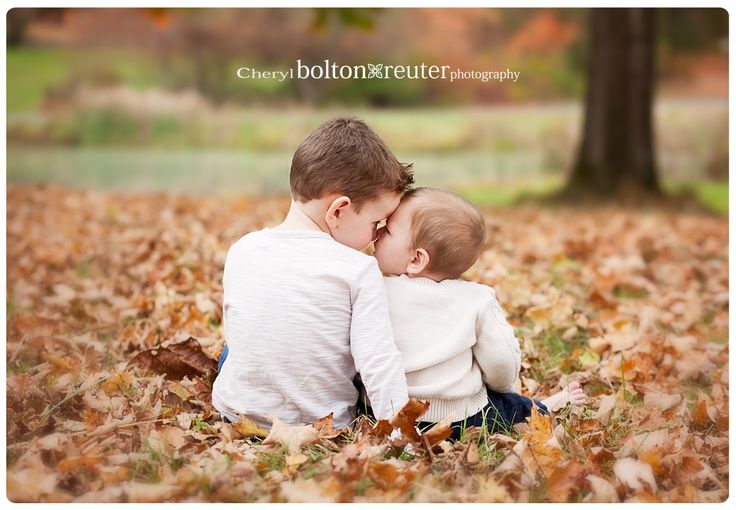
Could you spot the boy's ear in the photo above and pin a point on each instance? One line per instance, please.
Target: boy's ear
(419, 262)
(335, 210)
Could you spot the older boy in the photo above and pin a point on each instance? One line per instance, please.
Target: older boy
(459, 352)
(304, 310)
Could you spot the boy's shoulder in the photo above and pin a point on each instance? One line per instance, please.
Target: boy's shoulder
(303, 242)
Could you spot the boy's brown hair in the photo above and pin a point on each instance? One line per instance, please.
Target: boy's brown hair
(345, 156)
(449, 227)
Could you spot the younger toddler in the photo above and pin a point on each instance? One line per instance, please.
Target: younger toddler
(459, 352)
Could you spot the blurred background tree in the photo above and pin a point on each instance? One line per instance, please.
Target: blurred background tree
(617, 150)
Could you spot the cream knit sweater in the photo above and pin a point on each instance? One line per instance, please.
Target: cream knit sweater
(453, 338)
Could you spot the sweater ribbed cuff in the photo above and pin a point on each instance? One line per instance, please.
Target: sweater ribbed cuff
(460, 409)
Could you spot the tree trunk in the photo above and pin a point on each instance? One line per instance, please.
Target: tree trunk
(617, 153)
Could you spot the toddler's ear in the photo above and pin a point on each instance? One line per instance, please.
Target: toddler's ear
(335, 209)
(419, 262)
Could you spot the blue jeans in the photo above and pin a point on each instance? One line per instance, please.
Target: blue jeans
(499, 415)
(223, 356)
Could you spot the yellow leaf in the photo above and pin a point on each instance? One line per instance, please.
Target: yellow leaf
(490, 491)
(118, 383)
(542, 443)
(296, 459)
(249, 428)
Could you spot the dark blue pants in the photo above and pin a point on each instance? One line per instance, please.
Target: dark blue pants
(223, 355)
(499, 415)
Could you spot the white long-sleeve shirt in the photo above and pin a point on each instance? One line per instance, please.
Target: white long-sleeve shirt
(302, 314)
(453, 338)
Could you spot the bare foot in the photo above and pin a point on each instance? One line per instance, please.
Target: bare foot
(572, 394)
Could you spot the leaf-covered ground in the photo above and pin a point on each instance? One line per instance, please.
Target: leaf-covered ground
(632, 303)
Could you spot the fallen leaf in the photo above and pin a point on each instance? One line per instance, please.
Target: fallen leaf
(701, 420)
(602, 491)
(249, 428)
(634, 474)
(325, 429)
(118, 384)
(564, 481)
(296, 459)
(660, 400)
(644, 441)
(605, 408)
(490, 491)
(471, 454)
(307, 490)
(407, 417)
(439, 431)
(177, 361)
(292, 438)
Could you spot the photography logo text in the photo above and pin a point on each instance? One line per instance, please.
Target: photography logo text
(328, 70)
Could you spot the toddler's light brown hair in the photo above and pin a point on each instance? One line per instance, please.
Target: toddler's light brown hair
(449, 227)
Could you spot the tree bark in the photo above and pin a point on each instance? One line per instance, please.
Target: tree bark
(616, 155)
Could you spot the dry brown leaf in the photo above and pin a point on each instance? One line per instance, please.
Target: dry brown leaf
(325, 429)
(471, 454)
(605, 408)
(564, 481)
(439, 431)
(663, 401)
(643, 441)
(177, 361)
(407, 417)
(701, 419)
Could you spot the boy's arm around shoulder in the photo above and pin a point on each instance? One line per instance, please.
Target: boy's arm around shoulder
(372, 344)
(496, 349)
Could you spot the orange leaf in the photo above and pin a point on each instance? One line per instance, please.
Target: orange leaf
(73, 463)
(383, 474)
(439, 431)
(325, 429)
(565, 481)
(653, 457)
(700, 418)
(407, 416)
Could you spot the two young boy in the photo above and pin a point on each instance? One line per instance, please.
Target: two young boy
(304, 310)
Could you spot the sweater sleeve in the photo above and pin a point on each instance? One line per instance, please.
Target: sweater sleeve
(497, 349)
(377, 359)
